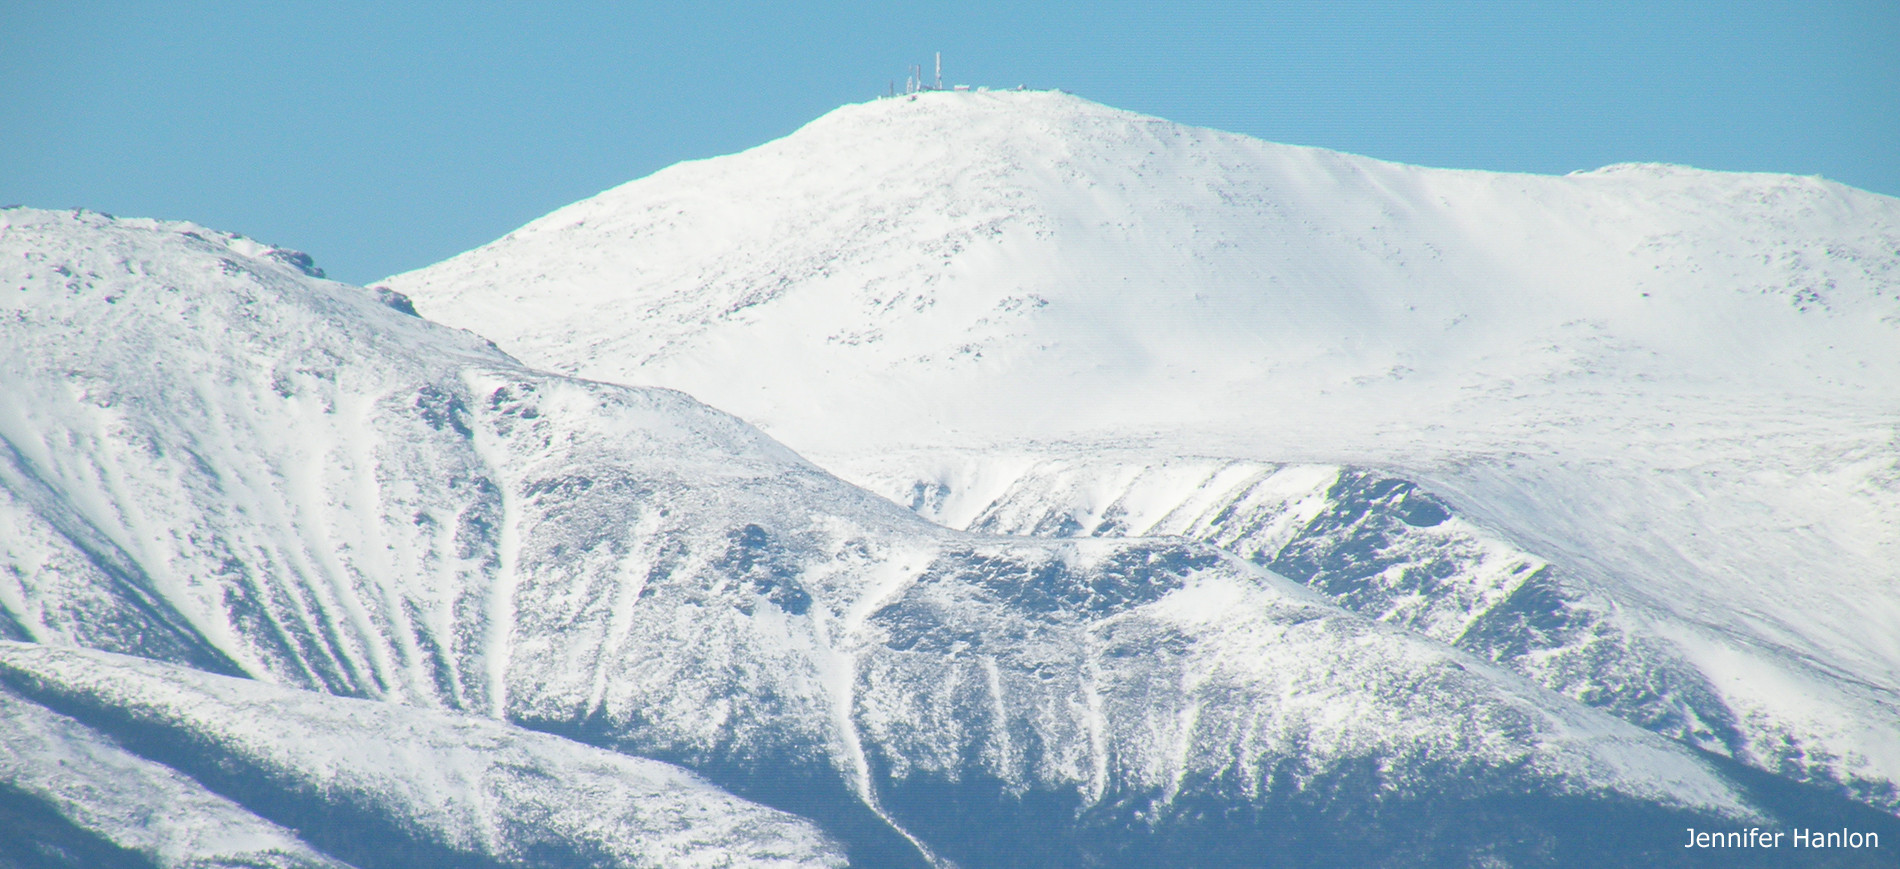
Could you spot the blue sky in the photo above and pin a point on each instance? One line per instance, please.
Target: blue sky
(385, 136)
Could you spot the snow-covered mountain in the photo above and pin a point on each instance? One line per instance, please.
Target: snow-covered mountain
(396, 592)
(1650, 411)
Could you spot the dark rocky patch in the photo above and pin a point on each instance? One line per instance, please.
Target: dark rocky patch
(394, 301)
(767, 569)
(442, 408)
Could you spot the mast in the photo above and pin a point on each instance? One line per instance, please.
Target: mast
(939, 71)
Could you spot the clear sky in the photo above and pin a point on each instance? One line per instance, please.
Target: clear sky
(386, 136)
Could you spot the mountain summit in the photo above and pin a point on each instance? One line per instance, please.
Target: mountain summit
(965, 267)
(1649, 409)
(1219, 503)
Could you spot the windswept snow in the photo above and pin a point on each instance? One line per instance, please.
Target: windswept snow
(1678, 388)
(448, 786)
(280, 477)
(135, 804)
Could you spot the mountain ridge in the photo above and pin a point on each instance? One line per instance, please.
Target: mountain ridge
(1675, 385)
(361, 505)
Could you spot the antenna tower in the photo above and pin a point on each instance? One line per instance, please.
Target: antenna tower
(939, 71)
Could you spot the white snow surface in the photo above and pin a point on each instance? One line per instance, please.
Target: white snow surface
(215, 459)
(475, 785)
(134, 803)
(1681, 386)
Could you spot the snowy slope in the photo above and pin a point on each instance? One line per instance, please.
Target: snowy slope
(376, 782)
(97, 802)
(219, 461)
(1383, 547)
(1678, 387)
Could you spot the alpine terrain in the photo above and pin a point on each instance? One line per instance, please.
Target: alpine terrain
(1177, 499)
(1629, 433)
